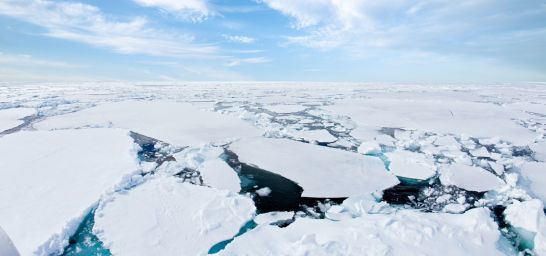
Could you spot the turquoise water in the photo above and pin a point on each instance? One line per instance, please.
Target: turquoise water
(221, 245)
(84, 242)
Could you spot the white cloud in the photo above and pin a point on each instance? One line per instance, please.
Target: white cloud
(239, 39)
(87, 24)
(238, 62)
(194, 10)
(28, 60)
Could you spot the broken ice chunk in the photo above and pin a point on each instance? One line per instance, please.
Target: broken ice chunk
(218, 174)
(470, 178)
(411, 165)
(285, 109)
(534, 179)
(539, 150)
(480, 152)
(369, 147)
(166, 217)
(322, 172)
(528, 221)
(265, 191)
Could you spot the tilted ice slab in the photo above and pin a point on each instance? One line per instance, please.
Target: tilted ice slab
(411, 165)
(480, 120)
(176, 123)
(51, 179)
(167, 217)
(322, 172)
(534, 179)
(403, 233)
(217, 174)
(528, 220)
(10, 118)
(470, 178)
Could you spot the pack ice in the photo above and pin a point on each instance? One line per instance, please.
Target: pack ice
(10, 118)
(322, 172)
(51, 179)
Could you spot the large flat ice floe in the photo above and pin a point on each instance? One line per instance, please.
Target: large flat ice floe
(180, 124)
(322, 172)
(411, 165)
(51, 179)
(167, 217)
(10, 118)
(402, 233)
(470, 178)
(476, 119)
(534, 179)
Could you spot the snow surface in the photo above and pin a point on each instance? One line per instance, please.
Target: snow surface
(403, 233)
(322, 172)
(534, 179)
(321, 135)
(51, 179)
(540, 151)
(411, 165)
(217, 174)
(10, 118)
(470, 178)
(179, 124)
(167, 217)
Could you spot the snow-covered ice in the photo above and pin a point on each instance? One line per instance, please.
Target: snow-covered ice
(10, 118)
(321, 136)
(322, 172)
(403, 233)
(217, 174)
(528, 220)
(51, 179)
(176, 123)
(273, 217)
(470, 178)
(7, 248)
(411, 165)
(534, 179)
(167, 217)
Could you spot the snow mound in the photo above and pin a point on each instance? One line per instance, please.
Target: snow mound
(470, 178)
(403, 233)
(322, 172)
(411, 165)
(51, 179)
(10, 118)
(166, 217)
(180, 124)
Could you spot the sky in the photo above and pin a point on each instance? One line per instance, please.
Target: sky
(273, 40)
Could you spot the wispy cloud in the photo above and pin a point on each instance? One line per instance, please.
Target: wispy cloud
(87, 24)
(239, 39)
(238, 62)
(28, 60)
(193, 10)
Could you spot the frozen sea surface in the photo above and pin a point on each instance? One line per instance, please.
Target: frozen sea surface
(272, 169)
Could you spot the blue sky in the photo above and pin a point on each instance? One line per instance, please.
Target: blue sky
(273, 40)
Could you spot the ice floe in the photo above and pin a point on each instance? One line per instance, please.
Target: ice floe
(322, 172)
(534, 178)
(217, 174)
(10, 118)
(51, 179)
(176, 123)
(470, 178)
(528, 221)
(411, 165)
(6, 245)
(402, 233)
(273, 217)
(320, 136)
(167, 217)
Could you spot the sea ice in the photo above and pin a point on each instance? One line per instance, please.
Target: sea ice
(179, 124)
(167, 217)
(411, 165)
(273, 217)
(11, 117)
(285, 109)
(539, 150)
(470, 178)
(217, 174)
(406, 232)
(528, 221)
(534, 179)
(322, 172)
(6, 246)
(51, 179)
(321, 136)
